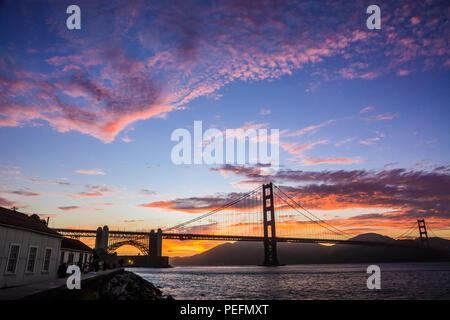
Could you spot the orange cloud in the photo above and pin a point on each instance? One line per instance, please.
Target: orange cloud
(90, 194)
(157, 204)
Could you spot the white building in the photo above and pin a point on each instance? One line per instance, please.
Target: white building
(74, 252)
(29, 250)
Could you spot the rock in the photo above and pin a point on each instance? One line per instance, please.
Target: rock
(129, 286)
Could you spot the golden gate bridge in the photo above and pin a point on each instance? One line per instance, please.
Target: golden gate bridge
(267, 214)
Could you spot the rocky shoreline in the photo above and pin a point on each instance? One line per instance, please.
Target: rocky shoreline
(115, 285)
(127, 285)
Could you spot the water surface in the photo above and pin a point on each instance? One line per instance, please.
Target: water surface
(294, 282)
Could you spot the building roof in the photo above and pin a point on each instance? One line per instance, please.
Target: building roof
(20, 220)
(74, 244)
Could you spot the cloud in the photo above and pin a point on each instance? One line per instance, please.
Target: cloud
(90, 194)
(147, 192)
(265, 112)
(403, 72)
(13, 170)
(50, 182)
(157, 204)
(91, 172)
(6, 203)
(99, 85)
(69, 208)
(310, 129)
(342, 142)
(314, 161)
(298, 149)
(95, 191)
(196, 204)
(366, 109)
(372, 141)
(386, 116)
(410, 193)
(22, 193)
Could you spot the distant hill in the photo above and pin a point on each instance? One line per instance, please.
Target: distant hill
(375, 237)
(251, 253)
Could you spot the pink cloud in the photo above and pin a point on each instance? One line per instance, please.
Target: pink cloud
(366, 109)
(90, 194)
(6, 203)
(386, 116)
(403, 72)
(372, 141)
(91, 171)
(298, 149)
(314, 161)
(342, 142)
(310, 129)
(9, 171)
(96, 86)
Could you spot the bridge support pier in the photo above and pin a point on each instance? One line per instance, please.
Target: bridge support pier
(155, 243)
(270, 240)
(101, 239)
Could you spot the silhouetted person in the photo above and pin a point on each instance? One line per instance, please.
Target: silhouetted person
(62, 269)
(95, 265)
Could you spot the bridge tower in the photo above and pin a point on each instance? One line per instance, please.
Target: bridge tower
(98, 238)
(423, 233)
(101, 239)
(155, 243)
(270, 241)
(105, 237)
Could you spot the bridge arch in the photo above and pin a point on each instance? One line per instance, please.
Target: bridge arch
(138, 245)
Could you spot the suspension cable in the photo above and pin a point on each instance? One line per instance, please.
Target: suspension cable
(315, 221)
(429, 228)
(215, 210)
(407, 232)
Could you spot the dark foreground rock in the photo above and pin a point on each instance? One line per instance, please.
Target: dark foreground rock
(129, 286)
(115, 285)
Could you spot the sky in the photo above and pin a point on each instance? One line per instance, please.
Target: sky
(86, 116)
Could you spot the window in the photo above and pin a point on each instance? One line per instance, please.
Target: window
(80, 258)
(32, 253)
(12, 258)
(47, 256)
(70, 259)
(61, 259)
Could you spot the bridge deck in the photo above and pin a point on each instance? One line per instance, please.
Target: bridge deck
(192, 236)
